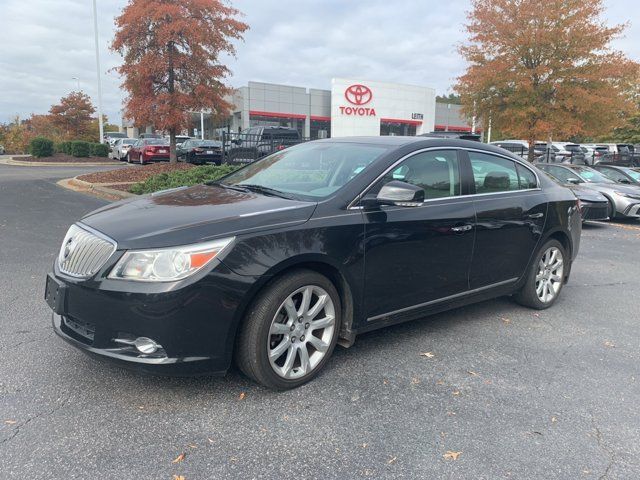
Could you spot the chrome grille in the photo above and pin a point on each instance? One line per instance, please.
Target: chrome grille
(83, 253)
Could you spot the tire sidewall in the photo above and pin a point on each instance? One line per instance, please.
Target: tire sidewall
(267, 306)
(530, 286)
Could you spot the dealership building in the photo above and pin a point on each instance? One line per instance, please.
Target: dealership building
(352, 107)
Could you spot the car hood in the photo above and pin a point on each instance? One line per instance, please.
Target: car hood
(613, 187)
(195, 214)
(587, 194)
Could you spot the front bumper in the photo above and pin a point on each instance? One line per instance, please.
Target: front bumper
(195, 325)
(594, 210)
(632, 210)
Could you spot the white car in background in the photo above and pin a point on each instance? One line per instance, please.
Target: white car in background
(120, 148)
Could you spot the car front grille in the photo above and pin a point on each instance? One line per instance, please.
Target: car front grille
(83, 253)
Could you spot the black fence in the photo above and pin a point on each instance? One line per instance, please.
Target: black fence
(243, 148)
(548, 155)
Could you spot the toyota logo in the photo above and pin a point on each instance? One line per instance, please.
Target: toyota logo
(358, 94)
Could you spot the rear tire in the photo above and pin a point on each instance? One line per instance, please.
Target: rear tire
(290, 331)
(545, 277)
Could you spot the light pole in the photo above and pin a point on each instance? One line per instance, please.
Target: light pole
(77, 82)
(95, 29)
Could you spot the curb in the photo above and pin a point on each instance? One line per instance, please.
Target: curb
(95, 189)
(13, 161)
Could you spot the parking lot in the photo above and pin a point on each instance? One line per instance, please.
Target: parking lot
(488, 391)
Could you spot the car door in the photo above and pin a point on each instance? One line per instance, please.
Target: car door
(419, 255)
(510, 216)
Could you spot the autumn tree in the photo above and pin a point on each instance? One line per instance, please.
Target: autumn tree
(73, 116)
(544, 69)
(172, 66)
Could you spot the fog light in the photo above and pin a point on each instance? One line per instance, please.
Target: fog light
(146, 345)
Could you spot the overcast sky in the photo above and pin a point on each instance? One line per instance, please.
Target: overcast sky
(297, 42)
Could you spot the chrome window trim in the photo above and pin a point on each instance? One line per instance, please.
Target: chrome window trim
(443, 299)
(352, 205)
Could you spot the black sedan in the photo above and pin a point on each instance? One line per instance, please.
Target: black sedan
(200, 151)
(281, 260)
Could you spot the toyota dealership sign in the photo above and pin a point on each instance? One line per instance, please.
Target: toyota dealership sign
(358, 95)
(361, 107)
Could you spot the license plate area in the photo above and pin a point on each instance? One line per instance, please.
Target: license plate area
(54, 294)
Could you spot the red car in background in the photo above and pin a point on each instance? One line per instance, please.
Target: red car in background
(149, 150)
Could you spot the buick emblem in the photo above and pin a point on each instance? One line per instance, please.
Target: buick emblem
(358, 94)
(68, 248)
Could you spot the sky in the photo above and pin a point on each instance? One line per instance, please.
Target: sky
(45, 43)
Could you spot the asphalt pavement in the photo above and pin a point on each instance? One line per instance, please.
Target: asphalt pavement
(500, 392)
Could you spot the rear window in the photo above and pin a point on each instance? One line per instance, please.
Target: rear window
(156, 141)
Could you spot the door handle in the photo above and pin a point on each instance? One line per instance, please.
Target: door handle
(533, 216)
(463, 228)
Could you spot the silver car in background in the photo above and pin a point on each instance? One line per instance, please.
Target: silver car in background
(624, 200)
(120, 148)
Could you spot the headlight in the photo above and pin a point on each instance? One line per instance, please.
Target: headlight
(629, 195)
(167, 264)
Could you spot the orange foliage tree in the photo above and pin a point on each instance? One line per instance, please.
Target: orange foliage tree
(545, 69)
(73, 116)
(171, 51)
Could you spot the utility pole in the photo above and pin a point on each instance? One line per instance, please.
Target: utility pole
(95, 29)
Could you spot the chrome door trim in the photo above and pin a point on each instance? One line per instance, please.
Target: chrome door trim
(443, 299)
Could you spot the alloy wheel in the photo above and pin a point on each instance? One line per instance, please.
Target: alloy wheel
(301, 332)
(550, 274)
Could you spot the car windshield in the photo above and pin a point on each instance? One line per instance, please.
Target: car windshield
(128, 141)
(633, 174)
(591, 176)
(310, 171)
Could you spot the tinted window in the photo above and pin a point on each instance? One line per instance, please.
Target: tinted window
(526, 178)
(436, 172)
(591, 175)
(493, 174)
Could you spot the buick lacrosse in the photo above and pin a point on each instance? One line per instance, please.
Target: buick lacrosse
(278, 262)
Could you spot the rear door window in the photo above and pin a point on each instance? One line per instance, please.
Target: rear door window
(493, 174)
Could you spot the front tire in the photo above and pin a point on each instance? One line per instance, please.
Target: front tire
(290, 331)
(545, 278)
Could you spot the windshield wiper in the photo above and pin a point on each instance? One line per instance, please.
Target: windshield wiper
(265, 190)
(226, 185)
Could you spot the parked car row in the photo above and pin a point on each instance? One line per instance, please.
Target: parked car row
(155, 148)
(574, 153)
(618, 186)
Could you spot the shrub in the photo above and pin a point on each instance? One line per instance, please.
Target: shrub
(41, 147)
(99, 150)
(80, 148)
(64, 147)
(179, 178)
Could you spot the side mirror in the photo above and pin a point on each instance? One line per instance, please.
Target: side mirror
(625, 181)
(396, 193)
(573, 181)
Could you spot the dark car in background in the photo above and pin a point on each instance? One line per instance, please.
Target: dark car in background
(200, 151)
(276, 263)
(257, 142)
(148, 150)
(624, 200)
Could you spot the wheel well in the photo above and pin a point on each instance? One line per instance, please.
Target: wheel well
(563, 239)
(346, 337)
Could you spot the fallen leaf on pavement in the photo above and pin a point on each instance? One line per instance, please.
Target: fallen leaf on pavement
(242, 395)
(505, 319)
(440, 382)
(365, 445)
(449, 455)
(179, 477)
(193, 446)
(179, 458)
(415, 381)
(554, 419)
(211, 440)
(609, 344)
(456, 392)
(10, 422)
(392, 460)
(472, 373)
(427, 354)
